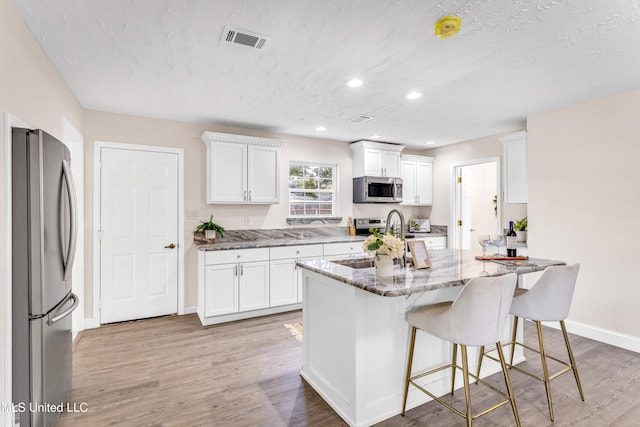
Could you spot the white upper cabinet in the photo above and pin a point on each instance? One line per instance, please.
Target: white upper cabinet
(376, 159)
(417, 180)
(242, 169)
(515, 167)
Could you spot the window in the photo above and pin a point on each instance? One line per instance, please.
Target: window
(311, 190)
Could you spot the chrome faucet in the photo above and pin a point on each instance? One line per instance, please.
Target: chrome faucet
(388, 226)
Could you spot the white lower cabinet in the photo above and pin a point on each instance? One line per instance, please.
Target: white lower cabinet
(232, 282)
(220, 290)
(243, 283)
(285, 287)
(342, 250)
(434, 242)
(253, 286)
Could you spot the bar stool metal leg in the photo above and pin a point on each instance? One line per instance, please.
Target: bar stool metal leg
(467, 392)
(507, 380)
(545, 368)
(409, 363)
(572, 360)
(513, 339)
(454, 359)
(480, 355)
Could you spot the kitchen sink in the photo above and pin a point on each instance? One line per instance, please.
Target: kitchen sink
(358, 263)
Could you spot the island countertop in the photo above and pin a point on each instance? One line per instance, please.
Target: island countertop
(450, 267)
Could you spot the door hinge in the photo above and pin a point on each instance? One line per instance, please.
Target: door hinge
(100, 234)
(459, 223)
(459, 180)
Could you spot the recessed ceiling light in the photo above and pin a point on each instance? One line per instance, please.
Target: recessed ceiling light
(374, 136)
(321, 128)
(414, 95)
(354, 83)
(430, 142)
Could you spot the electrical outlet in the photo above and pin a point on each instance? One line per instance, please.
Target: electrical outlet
(247, 220)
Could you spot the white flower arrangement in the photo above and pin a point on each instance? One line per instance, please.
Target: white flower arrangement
(384, 243)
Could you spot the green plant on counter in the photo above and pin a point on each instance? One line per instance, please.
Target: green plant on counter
(520, 225)
(209, 225)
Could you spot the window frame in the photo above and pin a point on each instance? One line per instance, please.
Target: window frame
(333, 191)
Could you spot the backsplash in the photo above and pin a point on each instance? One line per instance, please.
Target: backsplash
(439, 229)
(279, 233)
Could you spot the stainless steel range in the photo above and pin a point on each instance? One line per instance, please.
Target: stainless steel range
(363, 225)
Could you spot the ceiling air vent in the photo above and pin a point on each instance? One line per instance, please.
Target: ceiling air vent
(360, 119)
(244, 38)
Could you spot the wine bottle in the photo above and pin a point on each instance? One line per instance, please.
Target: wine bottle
(512, 241)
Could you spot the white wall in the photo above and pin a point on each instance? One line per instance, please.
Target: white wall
(444, 157)
(32, 91)
(584, 202)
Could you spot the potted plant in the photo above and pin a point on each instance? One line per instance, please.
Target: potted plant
(386, 248)
(521, 229)
(209, 229)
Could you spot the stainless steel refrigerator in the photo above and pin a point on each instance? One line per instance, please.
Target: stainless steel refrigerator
(44, 230)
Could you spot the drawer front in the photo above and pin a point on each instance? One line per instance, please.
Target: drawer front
(439, 242)
(348, 248)
(298, 251)
(236, 255)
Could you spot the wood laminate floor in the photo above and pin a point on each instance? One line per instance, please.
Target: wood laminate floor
(171, 371)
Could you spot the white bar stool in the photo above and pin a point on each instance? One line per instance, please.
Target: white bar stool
(477, 317)
(547, 300)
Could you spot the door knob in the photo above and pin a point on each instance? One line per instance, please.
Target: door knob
(170, 246)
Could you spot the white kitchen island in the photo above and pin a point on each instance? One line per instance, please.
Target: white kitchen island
(356, 336)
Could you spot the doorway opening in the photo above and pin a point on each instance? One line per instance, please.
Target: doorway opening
(475, 202)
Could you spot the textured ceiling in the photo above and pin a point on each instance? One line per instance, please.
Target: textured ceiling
(164, 58)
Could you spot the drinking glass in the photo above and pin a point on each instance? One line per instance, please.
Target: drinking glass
(484, 240)
(498, 240)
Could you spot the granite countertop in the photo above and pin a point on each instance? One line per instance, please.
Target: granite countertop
(250, 239)
(269, 243)
(450, 267)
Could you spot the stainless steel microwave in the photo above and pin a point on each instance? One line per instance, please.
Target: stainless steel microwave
(373, 189)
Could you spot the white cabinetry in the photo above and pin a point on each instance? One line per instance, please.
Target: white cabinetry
(417, 180)
(242, 169)
(233, 281)
(434, 242)
(376, 159)
(342, 250)
(285, 276)
(515, 167)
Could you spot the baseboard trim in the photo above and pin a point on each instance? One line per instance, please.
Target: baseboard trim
(190, 310)
(627, 342)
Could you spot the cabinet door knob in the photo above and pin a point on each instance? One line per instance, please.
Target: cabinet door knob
(170, 246)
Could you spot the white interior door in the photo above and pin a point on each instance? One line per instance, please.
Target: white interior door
(475, 185)
(139, 234)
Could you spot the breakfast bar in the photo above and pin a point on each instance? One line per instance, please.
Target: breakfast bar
(356, 336)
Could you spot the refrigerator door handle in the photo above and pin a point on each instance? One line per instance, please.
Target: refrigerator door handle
(73, 219)
(65, 313)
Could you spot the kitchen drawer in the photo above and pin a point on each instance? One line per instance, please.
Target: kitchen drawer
(435, 242)
(237, 255)
(298, 251)
(347, 248)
